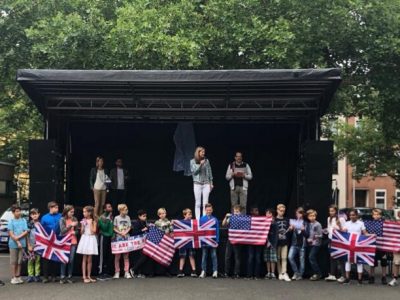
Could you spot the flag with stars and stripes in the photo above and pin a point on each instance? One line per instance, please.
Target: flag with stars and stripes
(159, 246)
(249, 230)
(387, 234)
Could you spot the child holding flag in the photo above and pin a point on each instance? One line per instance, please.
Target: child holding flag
(34, 262)
(183, 252)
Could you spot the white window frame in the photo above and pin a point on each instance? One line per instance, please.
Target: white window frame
(397, 195)
(385, 198)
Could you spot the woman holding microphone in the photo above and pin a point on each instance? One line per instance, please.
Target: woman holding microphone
(202, 179)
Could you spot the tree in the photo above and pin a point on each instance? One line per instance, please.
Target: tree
(361, 37)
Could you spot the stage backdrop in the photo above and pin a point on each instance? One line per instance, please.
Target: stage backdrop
(148, 152)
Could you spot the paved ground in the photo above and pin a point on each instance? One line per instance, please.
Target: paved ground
(188, 288)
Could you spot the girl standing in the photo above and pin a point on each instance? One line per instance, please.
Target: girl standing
(69, 224)
(88, 243)
(202, 179)
(335, 223)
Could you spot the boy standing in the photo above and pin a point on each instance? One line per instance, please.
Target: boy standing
(254, 254)
(183, 252)
(34, 263)
(208, 249)
(282, 225)
(139, 227)
(51, 222)
(106, 230)
(379, 255)
(232, 249)
(314, 243)
(270, 257)
(164, 225)
(18, 230)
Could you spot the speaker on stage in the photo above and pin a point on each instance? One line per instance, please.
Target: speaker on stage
(315, 177)
(46, 174)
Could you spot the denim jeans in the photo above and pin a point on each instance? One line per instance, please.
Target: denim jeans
(204, 256)
(293, 253)
(312, 257)
(253, 260)
(70, 263)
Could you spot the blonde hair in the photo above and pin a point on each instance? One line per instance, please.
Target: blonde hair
(197, 153)
(122, 207)
(186, 211)
(377, 211)
(312, 212)
(160, 210)
(279, 206)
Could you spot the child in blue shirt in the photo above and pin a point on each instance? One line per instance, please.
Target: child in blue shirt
(208, 249)
(18, 230)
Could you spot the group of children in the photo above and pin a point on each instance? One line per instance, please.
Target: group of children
(295, 240)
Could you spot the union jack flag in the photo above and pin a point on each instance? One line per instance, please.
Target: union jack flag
(353, 247)
(188, 234)
(159, 246)
(51, 248)
(249, 230)
(387, 234)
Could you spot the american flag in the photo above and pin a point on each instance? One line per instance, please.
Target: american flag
(188, 234)
(159, 246)
(51, 248)
(387, 234)
(248, 230)
(353, 247)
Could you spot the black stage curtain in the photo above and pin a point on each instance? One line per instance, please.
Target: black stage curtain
(148, 152)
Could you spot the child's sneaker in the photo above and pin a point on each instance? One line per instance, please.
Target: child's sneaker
(30, 279)
(393, 282)
(268, 276)
(280, 276)
(63, 281)
(383, 280)
(315, 277)
(341, 279)
(180, 275)
(193, 274)
(215, 274)
(14, 280)
(272, 276)
(286, 277)
(70, 280)
(38, 279)
(116, 275)
(19, 280)
(132, 272)
(346, 281)
(141, 276)
(127, 275)
(330, 278)
(202, 274)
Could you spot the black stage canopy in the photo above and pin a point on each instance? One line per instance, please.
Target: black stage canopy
(211, 95)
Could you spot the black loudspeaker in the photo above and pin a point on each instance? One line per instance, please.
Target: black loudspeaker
(46, 169)
(315, 177)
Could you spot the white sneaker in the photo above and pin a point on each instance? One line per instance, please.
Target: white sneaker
(280, 277)
(19, 280)
(116, 275)
(393, 282)
(294, 276)
(127, 275)
(341, 279)
(215, 274)
(202, 274)
(330, 278)
(14, 280)
(286, 277)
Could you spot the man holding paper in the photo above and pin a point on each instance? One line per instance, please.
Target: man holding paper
(238, 174)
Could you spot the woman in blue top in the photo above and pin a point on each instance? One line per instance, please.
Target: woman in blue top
(202, 179)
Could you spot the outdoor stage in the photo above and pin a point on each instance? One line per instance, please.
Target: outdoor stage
(272, 116)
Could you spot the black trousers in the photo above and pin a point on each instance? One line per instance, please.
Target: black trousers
(118, 197)
(105, 256)
(152, 266)
(50, 268)
(232, 250)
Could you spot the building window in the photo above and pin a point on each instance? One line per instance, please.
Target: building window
(3, 187)
(361, 197)
(380, 198)
(335, 166)
(398, 198)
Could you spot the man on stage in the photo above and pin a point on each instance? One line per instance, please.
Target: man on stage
(119, 184)
(238, 174)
